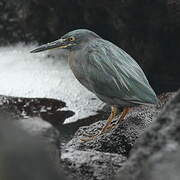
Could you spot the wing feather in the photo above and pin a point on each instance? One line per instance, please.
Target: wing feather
(111, 72)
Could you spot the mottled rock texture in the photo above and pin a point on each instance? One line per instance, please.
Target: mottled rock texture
(119, 141)
(92, 164)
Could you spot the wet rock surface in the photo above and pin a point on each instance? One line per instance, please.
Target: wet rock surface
(119, 141)
(35, 115)
(42, 119)
(47, 109)
(44, 116)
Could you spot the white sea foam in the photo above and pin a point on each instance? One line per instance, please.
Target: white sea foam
(23, 74)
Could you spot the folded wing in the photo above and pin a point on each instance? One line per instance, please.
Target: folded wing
(111, 72)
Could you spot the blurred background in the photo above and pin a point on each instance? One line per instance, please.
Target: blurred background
(148, 30)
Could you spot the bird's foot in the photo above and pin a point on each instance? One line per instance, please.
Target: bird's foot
(105, 127)
(109, 125)
(93, 136)
(90, 134)
(115, 124)
(88, 138)
(112, 126)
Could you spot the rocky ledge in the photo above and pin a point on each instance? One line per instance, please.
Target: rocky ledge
(124, 151)
(145, 146)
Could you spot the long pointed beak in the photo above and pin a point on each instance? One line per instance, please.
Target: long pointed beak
(55, 44)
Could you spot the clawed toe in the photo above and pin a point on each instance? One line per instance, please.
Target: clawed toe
(90, 134)
(88, 138)
(91, 137)
(109, 125)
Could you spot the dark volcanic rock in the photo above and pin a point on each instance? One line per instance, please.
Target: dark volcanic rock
(36, 115)
(118, 142)
(155, 156)
(47, 109)
(121, 139)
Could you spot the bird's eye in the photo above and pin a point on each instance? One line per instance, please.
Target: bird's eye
(71, 38)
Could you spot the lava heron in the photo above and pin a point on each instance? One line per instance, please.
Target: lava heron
(106, 70)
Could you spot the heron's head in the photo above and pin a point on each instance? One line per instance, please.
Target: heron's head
(72, 40)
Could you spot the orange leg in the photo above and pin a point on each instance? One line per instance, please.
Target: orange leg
(111, 117)
(121, 118)
(123, 114)
(106, 126)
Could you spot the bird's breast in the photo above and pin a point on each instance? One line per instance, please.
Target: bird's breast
(75, 63)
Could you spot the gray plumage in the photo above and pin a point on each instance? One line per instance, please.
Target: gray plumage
(105, 69)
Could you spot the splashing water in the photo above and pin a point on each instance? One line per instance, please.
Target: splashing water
(38, 75)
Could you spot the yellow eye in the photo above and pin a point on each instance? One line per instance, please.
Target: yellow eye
(71, 38)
